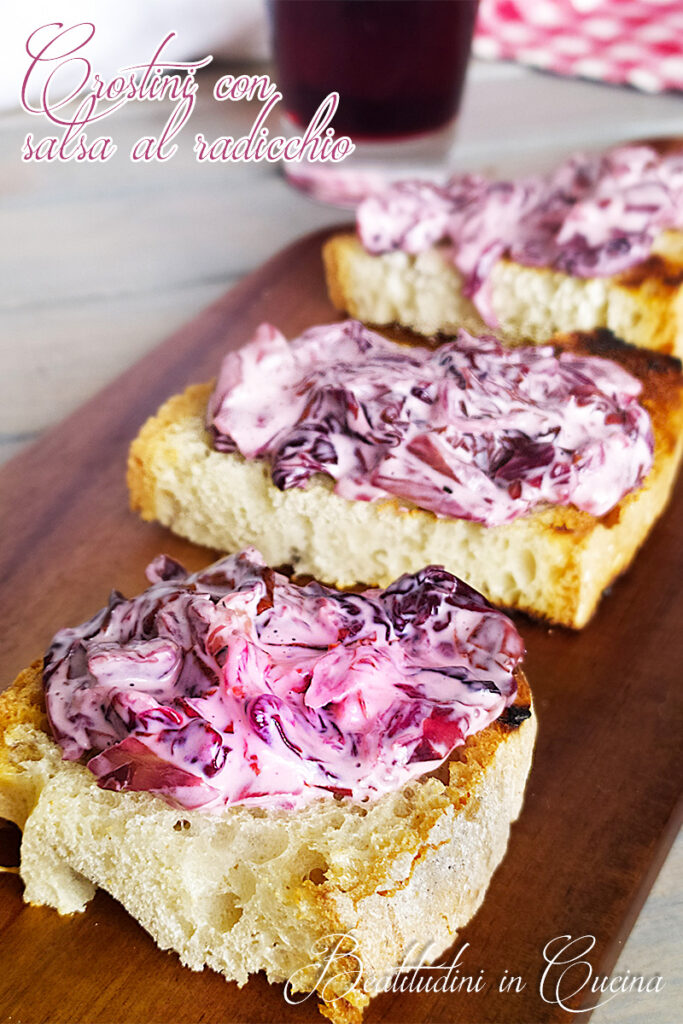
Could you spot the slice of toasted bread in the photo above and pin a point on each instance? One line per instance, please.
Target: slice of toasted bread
(248, 890)
(554, 563)
(644, 305)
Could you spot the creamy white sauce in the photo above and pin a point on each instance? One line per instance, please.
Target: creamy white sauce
(235, 686)
(470, 430)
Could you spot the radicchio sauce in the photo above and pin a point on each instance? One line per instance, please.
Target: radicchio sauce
(470, 430)
(236, 686)
(592, 217)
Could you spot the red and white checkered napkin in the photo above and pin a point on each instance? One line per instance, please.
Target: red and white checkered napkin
(636, 42)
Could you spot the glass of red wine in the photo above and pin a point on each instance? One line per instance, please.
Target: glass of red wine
(398, 67)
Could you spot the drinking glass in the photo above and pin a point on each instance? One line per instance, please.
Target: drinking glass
(399, 68)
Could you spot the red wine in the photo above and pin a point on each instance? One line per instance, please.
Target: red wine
(398, 65)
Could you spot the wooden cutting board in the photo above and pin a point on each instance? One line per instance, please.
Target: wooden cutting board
(602, 803)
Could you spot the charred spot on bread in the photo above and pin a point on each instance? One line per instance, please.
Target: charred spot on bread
(655, 268)
(603, 343)
(659, 373)
(600, 342)
(513, 716)
(403, 335)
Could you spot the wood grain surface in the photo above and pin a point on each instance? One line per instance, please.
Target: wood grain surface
(603, 800)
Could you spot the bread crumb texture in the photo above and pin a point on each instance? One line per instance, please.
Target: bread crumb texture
(643, 306)
(553, 563)
(248, 890)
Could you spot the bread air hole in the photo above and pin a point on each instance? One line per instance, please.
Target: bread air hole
(267, 845)
(401, 808)
(527, 566)
(222, 911)
(509, 588)
(317, 872)
(243, 884)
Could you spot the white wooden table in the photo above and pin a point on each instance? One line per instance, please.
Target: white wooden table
(99, 263)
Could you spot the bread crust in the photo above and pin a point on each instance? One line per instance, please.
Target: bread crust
(409, 870)
(553, 563)
(643, 305)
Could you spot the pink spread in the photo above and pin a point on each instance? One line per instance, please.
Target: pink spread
(470, 430)
(235, 686)
(593, 216)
